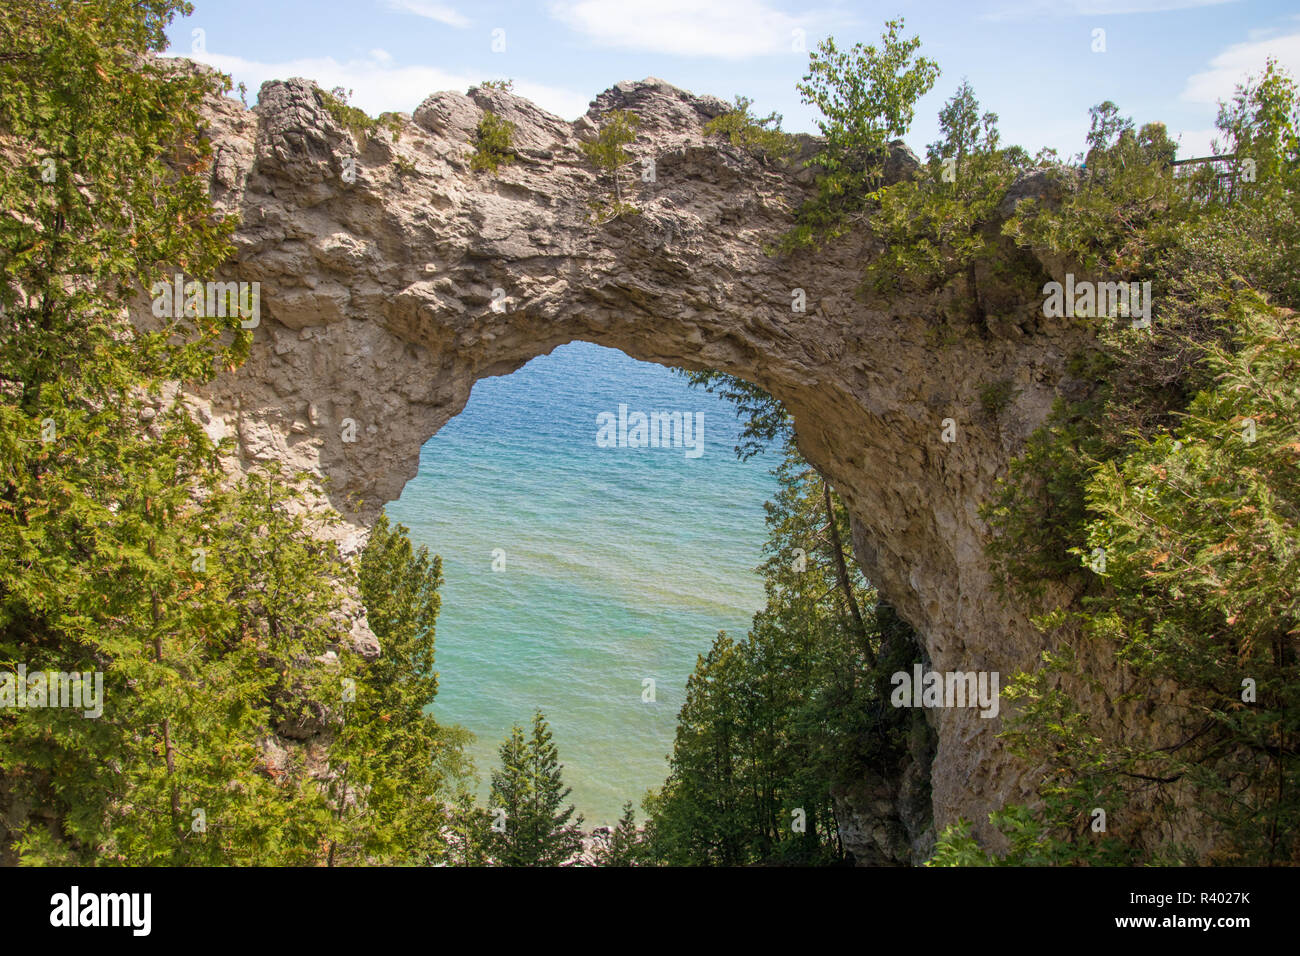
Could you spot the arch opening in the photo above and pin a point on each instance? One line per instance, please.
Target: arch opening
(584, 573)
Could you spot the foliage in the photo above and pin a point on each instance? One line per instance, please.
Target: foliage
(494, 144)
(1198, 531)
(1127, 217)
(1257, 233)
(387, 786)
(1038, 510)
(529, 787)
(1205, 595)
(1111, 220)
(773, 722)
(941, 226)
(196, 671)
(95, 517)
(1029, 843)
(625, 847)
(392, 122)
(762, 137)
(995, 396)
(1261, 124)
(468, 832)
(1151, 470)
(607, 155)
(208, 608)
(765, 420)
(357, 121)
(866, 96)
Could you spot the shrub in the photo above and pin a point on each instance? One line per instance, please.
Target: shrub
(761, 137)
(607, 154)
(493, 144)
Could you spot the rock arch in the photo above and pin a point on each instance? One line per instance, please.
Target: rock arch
(378, 257)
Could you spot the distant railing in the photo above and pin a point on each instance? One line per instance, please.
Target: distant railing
(1226, 157)
(1222, 184)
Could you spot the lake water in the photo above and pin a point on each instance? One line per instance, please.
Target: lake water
(615, 564)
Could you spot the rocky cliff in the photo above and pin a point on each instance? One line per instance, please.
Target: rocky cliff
(393, 277)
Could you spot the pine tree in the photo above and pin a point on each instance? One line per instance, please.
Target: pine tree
(529, 787)
(468, 832)
(387, 786)
(625, 847)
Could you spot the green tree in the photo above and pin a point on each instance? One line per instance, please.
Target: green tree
(1127, 216)
(1259, 231)
(1260, 125)
(529, 787)
(1206, 596)
(625, 847)
(201, 663)
(772, 723)
(866, 96)
(607, 155)
(764, 419)
(99, 471)
(387, 788)
(941, 225)
(469, 832)
(263, 671)
(1151, 470)
(1198, 531)
(208, 608)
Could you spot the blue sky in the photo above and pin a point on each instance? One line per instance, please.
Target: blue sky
(1030, 61)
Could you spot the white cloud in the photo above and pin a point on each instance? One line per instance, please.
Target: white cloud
(379, 85)
(1022, 9)
(382, 56)
(730, 29)
(1237, 62)
(431, 11)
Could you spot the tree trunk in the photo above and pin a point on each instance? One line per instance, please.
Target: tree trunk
(842, 573)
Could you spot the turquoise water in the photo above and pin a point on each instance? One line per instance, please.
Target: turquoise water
(620, 563)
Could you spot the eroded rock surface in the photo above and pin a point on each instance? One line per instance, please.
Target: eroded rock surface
(393, 277)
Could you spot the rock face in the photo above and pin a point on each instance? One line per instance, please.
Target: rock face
(393, 277)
